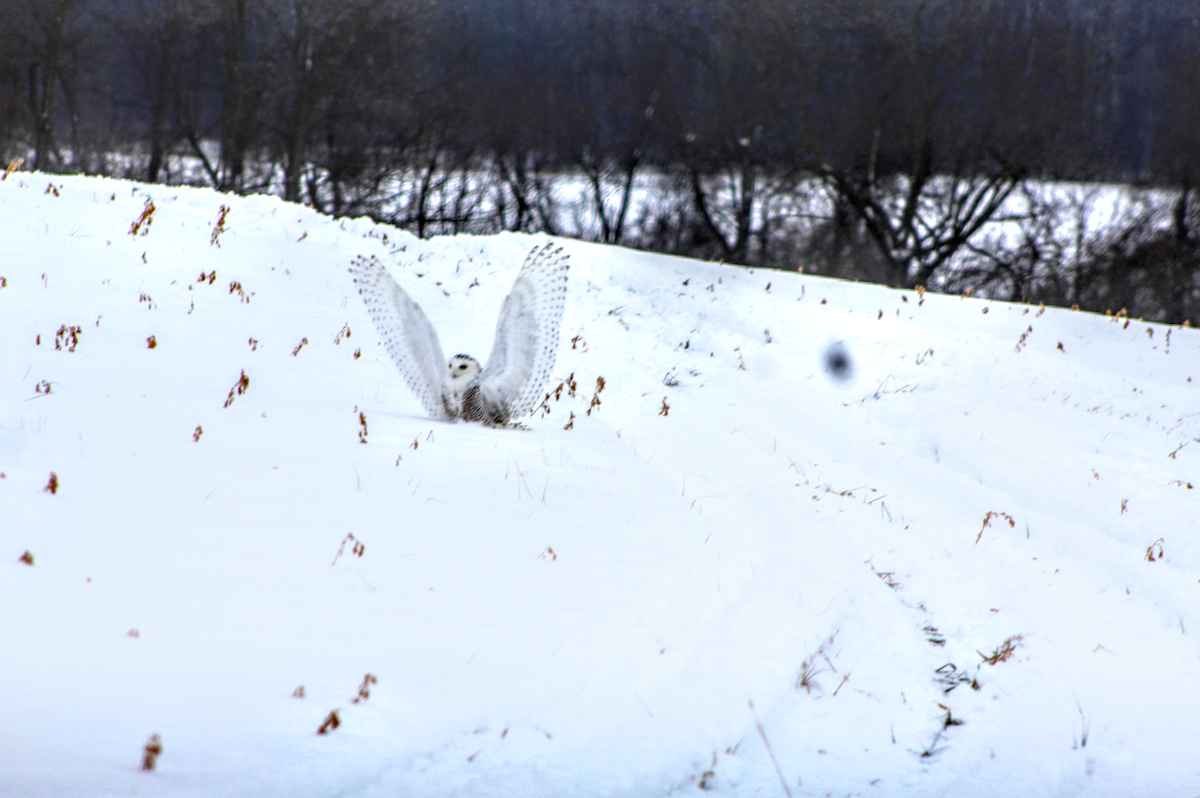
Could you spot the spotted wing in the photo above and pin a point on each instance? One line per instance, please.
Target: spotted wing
(526, 344)
(405, 332)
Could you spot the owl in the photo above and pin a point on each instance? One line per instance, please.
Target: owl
(510, 385)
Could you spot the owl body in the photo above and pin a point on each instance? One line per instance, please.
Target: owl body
(469, 406)
(464, 398)
(522, 356)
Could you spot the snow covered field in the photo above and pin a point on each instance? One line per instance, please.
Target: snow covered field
(973, 568)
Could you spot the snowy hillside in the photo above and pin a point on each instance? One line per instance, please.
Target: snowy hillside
(970, 569)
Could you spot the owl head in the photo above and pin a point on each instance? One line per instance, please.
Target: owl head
(463, 370)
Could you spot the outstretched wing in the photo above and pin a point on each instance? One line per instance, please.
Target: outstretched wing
(404, 331)
(526, 343)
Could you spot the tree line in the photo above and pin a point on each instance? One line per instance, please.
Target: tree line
(883, 140)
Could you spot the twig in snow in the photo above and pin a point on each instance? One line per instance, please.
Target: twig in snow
(845, 679)
(331, 722)
(358, 549)
(152, 750)
(763, 733)
(238, 388)
(364, 689)
(1082, 740)
(596, 396)
(141, 226)
(1002, 652)
(219, 227)
(987, 521)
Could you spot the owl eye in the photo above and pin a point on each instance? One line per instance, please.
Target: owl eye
(463, 367)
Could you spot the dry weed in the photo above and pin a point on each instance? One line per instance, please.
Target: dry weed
(358, 549)
(950, 677)
(763, 733)
(141, 225)
(238, 388)
(809, 669)
(569, 384)
(12, 167)
(331, 722)
(364, 689)
(1002, 652)
(243, 297)
(220, 227)
(66, 338)
(596, 396)
(887, 578)
(151, 752)
(987, 521)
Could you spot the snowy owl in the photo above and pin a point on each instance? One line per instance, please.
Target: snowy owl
(526, 344)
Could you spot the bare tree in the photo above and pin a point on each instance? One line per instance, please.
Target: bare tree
(14, 112)
(924, 173)
(45, 28)
(238, 85)
(319, 52)
(726, 137)
(159, 35)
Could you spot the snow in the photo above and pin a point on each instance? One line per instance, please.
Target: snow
(622, 608)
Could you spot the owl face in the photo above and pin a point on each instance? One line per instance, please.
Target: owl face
(463, 369)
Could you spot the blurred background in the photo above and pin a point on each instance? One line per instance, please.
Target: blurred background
(1032, 150)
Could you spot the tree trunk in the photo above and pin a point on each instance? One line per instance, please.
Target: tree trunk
(235, 133)
(43, 85)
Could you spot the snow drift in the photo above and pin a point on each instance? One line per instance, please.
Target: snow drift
(971, 567)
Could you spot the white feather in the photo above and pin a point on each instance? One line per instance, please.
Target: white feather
(406, 333)
(526, 344)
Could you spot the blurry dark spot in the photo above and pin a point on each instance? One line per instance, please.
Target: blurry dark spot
(838, 363)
